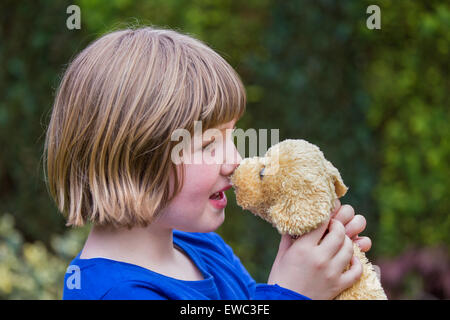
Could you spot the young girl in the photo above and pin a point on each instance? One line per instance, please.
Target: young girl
(108, 162)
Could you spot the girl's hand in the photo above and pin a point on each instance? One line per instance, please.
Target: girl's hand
(354, 224)
(316, 270)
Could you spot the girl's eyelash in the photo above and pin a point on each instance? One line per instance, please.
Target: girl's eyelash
(213, 140)
(208, 144)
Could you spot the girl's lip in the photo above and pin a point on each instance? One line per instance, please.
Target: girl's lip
(224, 189)
(220, 203)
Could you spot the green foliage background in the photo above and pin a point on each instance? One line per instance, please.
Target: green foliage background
(375, 101)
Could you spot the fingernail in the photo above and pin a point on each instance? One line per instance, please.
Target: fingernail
(336, 203)
(358, 243)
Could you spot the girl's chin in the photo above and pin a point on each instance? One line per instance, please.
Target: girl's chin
(215, 222)
(209, 222)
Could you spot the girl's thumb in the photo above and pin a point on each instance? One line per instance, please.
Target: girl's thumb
(285, 242)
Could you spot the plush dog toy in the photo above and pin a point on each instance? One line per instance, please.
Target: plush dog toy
(294, 188)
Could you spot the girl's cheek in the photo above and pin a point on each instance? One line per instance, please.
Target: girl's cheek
(204, 175)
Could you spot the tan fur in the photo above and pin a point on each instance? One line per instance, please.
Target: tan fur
(296, 194)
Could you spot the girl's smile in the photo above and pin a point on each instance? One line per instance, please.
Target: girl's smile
(219, 199)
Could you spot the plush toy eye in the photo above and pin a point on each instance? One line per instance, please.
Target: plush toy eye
(261, 173)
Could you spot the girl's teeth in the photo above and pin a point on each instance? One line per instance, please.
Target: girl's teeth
(215, 196)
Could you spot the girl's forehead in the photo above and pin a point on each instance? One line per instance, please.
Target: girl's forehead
(222, 127)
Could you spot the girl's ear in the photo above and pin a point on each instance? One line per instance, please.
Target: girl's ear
(339, 187)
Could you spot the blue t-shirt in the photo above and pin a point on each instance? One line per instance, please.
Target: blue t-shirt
(224, 276)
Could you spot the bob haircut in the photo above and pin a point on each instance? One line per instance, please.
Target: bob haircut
(108, 143)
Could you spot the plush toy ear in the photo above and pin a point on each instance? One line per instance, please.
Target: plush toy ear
(339, 187)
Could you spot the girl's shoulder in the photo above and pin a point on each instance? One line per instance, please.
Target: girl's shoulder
(209, 242)
(94, 277)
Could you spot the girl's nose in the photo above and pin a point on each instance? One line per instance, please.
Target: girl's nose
(233, 160)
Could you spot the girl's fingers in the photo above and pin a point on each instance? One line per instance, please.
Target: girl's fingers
(355, 226)
(285, 243)
(344, 255)
(337, 207)
(349, 277)
(316, 235)
(345, 214)
(334, 239)
(364, 243)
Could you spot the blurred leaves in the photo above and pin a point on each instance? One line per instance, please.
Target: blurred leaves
(34, 46)
(408, 83)
(29, 270)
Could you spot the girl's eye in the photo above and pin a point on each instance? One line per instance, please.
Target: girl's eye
(208, 145)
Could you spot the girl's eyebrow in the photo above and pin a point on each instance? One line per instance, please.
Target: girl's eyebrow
(206, 142)
(211, 138)
(223, 129)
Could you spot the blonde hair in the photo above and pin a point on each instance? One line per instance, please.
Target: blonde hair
(107, 148)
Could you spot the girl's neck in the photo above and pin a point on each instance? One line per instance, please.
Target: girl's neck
(139, 245)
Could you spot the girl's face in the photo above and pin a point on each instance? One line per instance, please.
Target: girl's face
(200, 206)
